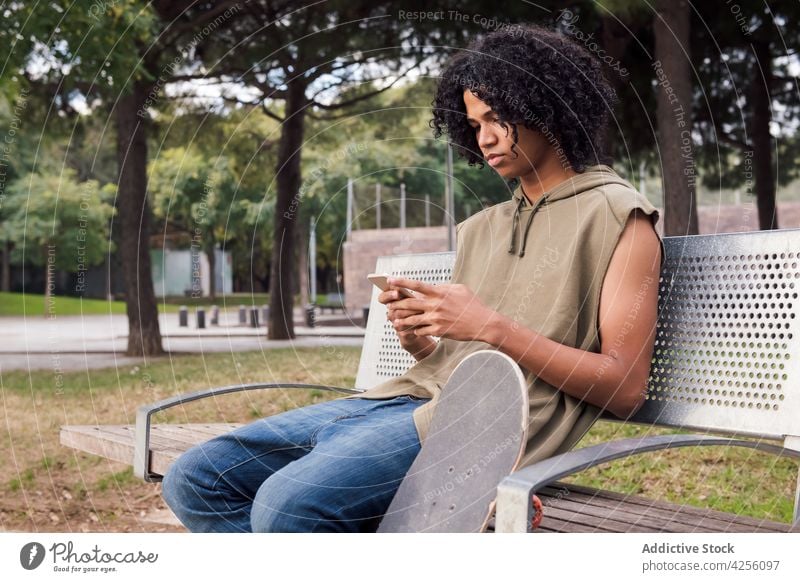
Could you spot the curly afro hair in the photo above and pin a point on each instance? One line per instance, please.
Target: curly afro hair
(532, 76)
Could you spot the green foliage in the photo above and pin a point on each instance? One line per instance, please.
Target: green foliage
(196, 194)
(54, 218)
(70, 42)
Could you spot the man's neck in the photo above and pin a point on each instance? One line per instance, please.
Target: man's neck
(544, 178)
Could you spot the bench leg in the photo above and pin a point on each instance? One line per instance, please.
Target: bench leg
(796, 516)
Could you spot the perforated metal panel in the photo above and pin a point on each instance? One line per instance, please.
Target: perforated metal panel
(382, 357)
(726, 350)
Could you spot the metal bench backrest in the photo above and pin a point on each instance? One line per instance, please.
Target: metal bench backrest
(382, 357)
(727, 346)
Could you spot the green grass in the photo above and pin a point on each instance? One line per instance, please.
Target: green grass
(168, 375)
(735, 480)
(730, 479)
(74, 491)
(26, 479)
(31, 305)
(116, 480)
(228, 300)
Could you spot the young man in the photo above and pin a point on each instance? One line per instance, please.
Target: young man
(563, 277)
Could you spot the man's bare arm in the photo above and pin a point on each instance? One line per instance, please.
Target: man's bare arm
(615, 378)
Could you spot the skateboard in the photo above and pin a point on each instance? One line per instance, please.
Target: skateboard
(476, 438)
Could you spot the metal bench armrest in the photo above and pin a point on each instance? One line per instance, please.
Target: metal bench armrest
(141, 455)
(515, 492)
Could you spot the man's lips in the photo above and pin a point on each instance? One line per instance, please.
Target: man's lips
(494, 159)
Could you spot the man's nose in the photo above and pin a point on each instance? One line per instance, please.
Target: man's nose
(486, 138)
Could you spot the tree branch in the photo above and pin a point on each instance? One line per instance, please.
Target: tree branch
(178, 31)
(369, 95)
(258, 103)
(732, 141)
(269, 113)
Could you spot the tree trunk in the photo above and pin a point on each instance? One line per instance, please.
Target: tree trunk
(760, 116)
(674, 115)
(302, 263)
(212, 280)
(616, 37)
(287, 212)
(6, 276)
(144, 336)
(49, 280)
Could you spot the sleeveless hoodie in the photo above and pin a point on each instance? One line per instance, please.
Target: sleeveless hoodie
(543, 266)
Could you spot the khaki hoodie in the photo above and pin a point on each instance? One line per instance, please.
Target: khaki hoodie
(542, 265)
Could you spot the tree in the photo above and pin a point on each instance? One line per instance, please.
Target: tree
(56, 222)
(751, 100)
(674, 81)
(238, 135)
(197, 196)
(320, 59)
(117, 57)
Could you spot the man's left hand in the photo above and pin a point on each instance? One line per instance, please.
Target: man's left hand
(450, 310)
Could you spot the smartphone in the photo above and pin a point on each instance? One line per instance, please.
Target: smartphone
(380, 281)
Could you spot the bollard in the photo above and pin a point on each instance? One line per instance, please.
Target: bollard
(254, 317)
(242, 315)
(214, 315)
(201, 318)
(183, 316)
(310, 316)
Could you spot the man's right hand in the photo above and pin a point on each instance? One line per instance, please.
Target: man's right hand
(418, 346)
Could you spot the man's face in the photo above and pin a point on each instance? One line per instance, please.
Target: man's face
(496, 142)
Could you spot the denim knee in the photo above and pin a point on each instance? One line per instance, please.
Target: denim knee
(177, 486)
(287, 508)
(274, 512)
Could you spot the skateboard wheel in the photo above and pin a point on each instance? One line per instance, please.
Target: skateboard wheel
(538, 512)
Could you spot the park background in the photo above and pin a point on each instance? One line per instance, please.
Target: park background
(159, 154)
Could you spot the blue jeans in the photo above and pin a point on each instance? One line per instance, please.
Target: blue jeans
(331, 466)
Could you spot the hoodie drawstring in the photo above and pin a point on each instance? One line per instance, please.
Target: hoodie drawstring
(525, 233)
(514, 224)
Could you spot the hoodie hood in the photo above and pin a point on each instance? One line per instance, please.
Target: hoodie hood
(592, 177)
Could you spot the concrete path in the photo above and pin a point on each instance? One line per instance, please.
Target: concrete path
(69, 343)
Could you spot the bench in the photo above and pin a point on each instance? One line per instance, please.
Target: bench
(334, 302)
(725, 364)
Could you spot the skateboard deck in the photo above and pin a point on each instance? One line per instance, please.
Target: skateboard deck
(476, 438)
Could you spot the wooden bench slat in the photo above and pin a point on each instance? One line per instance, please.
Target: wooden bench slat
(211, 430)
(116, 442)
(158, 440)
(577, 512)
(175, 437)
(617, 517)
(697, 517)
(673, 518)
(715, 520)
(98, 441)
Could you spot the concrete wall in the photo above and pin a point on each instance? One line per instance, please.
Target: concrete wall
(365, 246)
